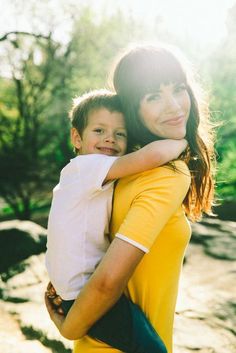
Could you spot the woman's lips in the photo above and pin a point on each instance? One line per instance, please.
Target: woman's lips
(175, 121)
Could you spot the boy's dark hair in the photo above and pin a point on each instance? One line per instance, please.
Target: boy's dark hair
(89, 102)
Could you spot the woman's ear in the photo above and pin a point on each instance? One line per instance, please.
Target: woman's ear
(75, 138)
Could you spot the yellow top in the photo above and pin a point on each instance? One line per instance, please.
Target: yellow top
(147, 212)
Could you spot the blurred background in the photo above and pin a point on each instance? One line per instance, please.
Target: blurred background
(51, 51)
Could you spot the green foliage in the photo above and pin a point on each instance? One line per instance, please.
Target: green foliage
(41, 78)
(223, 72)
(95, 44)
(36, 97)
(29, 132)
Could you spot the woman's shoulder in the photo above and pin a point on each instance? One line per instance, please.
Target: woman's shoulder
(180, 167)
(176, 172)
(177, 168)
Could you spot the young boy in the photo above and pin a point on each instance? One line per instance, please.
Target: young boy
(78, 226)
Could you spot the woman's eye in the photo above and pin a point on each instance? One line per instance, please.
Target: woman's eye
(153, 97)
(180, 88)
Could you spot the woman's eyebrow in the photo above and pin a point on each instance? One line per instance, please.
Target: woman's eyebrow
(157, 91)
(179, 83)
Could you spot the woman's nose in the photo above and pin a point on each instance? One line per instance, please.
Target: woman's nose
(172, 103)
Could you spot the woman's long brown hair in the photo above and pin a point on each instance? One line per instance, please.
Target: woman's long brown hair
(141, 71)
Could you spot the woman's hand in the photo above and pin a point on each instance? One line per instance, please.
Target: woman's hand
(56, 317)
(102, 290)
(87, 309)
(53, 304)
(54, 298)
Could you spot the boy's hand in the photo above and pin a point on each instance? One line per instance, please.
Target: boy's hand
(176, 146)
(54, 299)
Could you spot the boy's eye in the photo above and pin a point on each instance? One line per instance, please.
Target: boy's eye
(98, 130)
(121, 134)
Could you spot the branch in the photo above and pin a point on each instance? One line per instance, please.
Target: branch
(5, 36)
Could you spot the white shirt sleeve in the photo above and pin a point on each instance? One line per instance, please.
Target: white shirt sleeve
(92, 170)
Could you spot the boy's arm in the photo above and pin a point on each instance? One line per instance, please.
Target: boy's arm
(150, 156)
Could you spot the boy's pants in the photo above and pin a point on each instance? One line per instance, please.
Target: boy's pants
(125, 327)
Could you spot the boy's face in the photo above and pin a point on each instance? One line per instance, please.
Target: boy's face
(105, 133)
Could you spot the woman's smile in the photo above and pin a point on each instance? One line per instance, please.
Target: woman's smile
(175, 121)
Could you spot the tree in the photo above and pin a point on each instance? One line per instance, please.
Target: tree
(41, 78)
(31, 149)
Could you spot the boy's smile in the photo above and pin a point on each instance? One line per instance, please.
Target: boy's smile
(105, 133)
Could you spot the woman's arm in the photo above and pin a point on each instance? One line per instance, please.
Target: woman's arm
(150, 156)
(101, 292)
(159, 194)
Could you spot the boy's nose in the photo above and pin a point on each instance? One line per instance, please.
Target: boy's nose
(109, 138)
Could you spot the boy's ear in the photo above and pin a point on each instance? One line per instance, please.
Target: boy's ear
(75, 138)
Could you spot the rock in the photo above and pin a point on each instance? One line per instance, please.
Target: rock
(217, 237)
(28, 285)
(16, 342)
(206, 320)
(24, 296)
(12, 339)
(203, 336)
(18, 241)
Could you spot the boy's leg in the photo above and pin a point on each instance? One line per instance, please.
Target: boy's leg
(125, 327)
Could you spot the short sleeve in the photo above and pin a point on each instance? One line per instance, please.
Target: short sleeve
(158, 194)
(92, 170)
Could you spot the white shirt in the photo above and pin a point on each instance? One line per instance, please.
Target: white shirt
(79, 223)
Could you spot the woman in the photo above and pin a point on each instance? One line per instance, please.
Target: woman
(149, 228)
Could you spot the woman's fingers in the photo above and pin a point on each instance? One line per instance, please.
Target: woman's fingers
(51, 292)
(49, 286)
(60, 311)
(52, 300)
(53, 304)
(57, 300)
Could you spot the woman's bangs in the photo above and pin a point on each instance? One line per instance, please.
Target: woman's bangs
(160, 70)
(143, 71)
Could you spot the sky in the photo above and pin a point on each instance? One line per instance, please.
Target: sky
(202, 21)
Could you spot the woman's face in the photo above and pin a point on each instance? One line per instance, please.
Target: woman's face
(165, 112)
